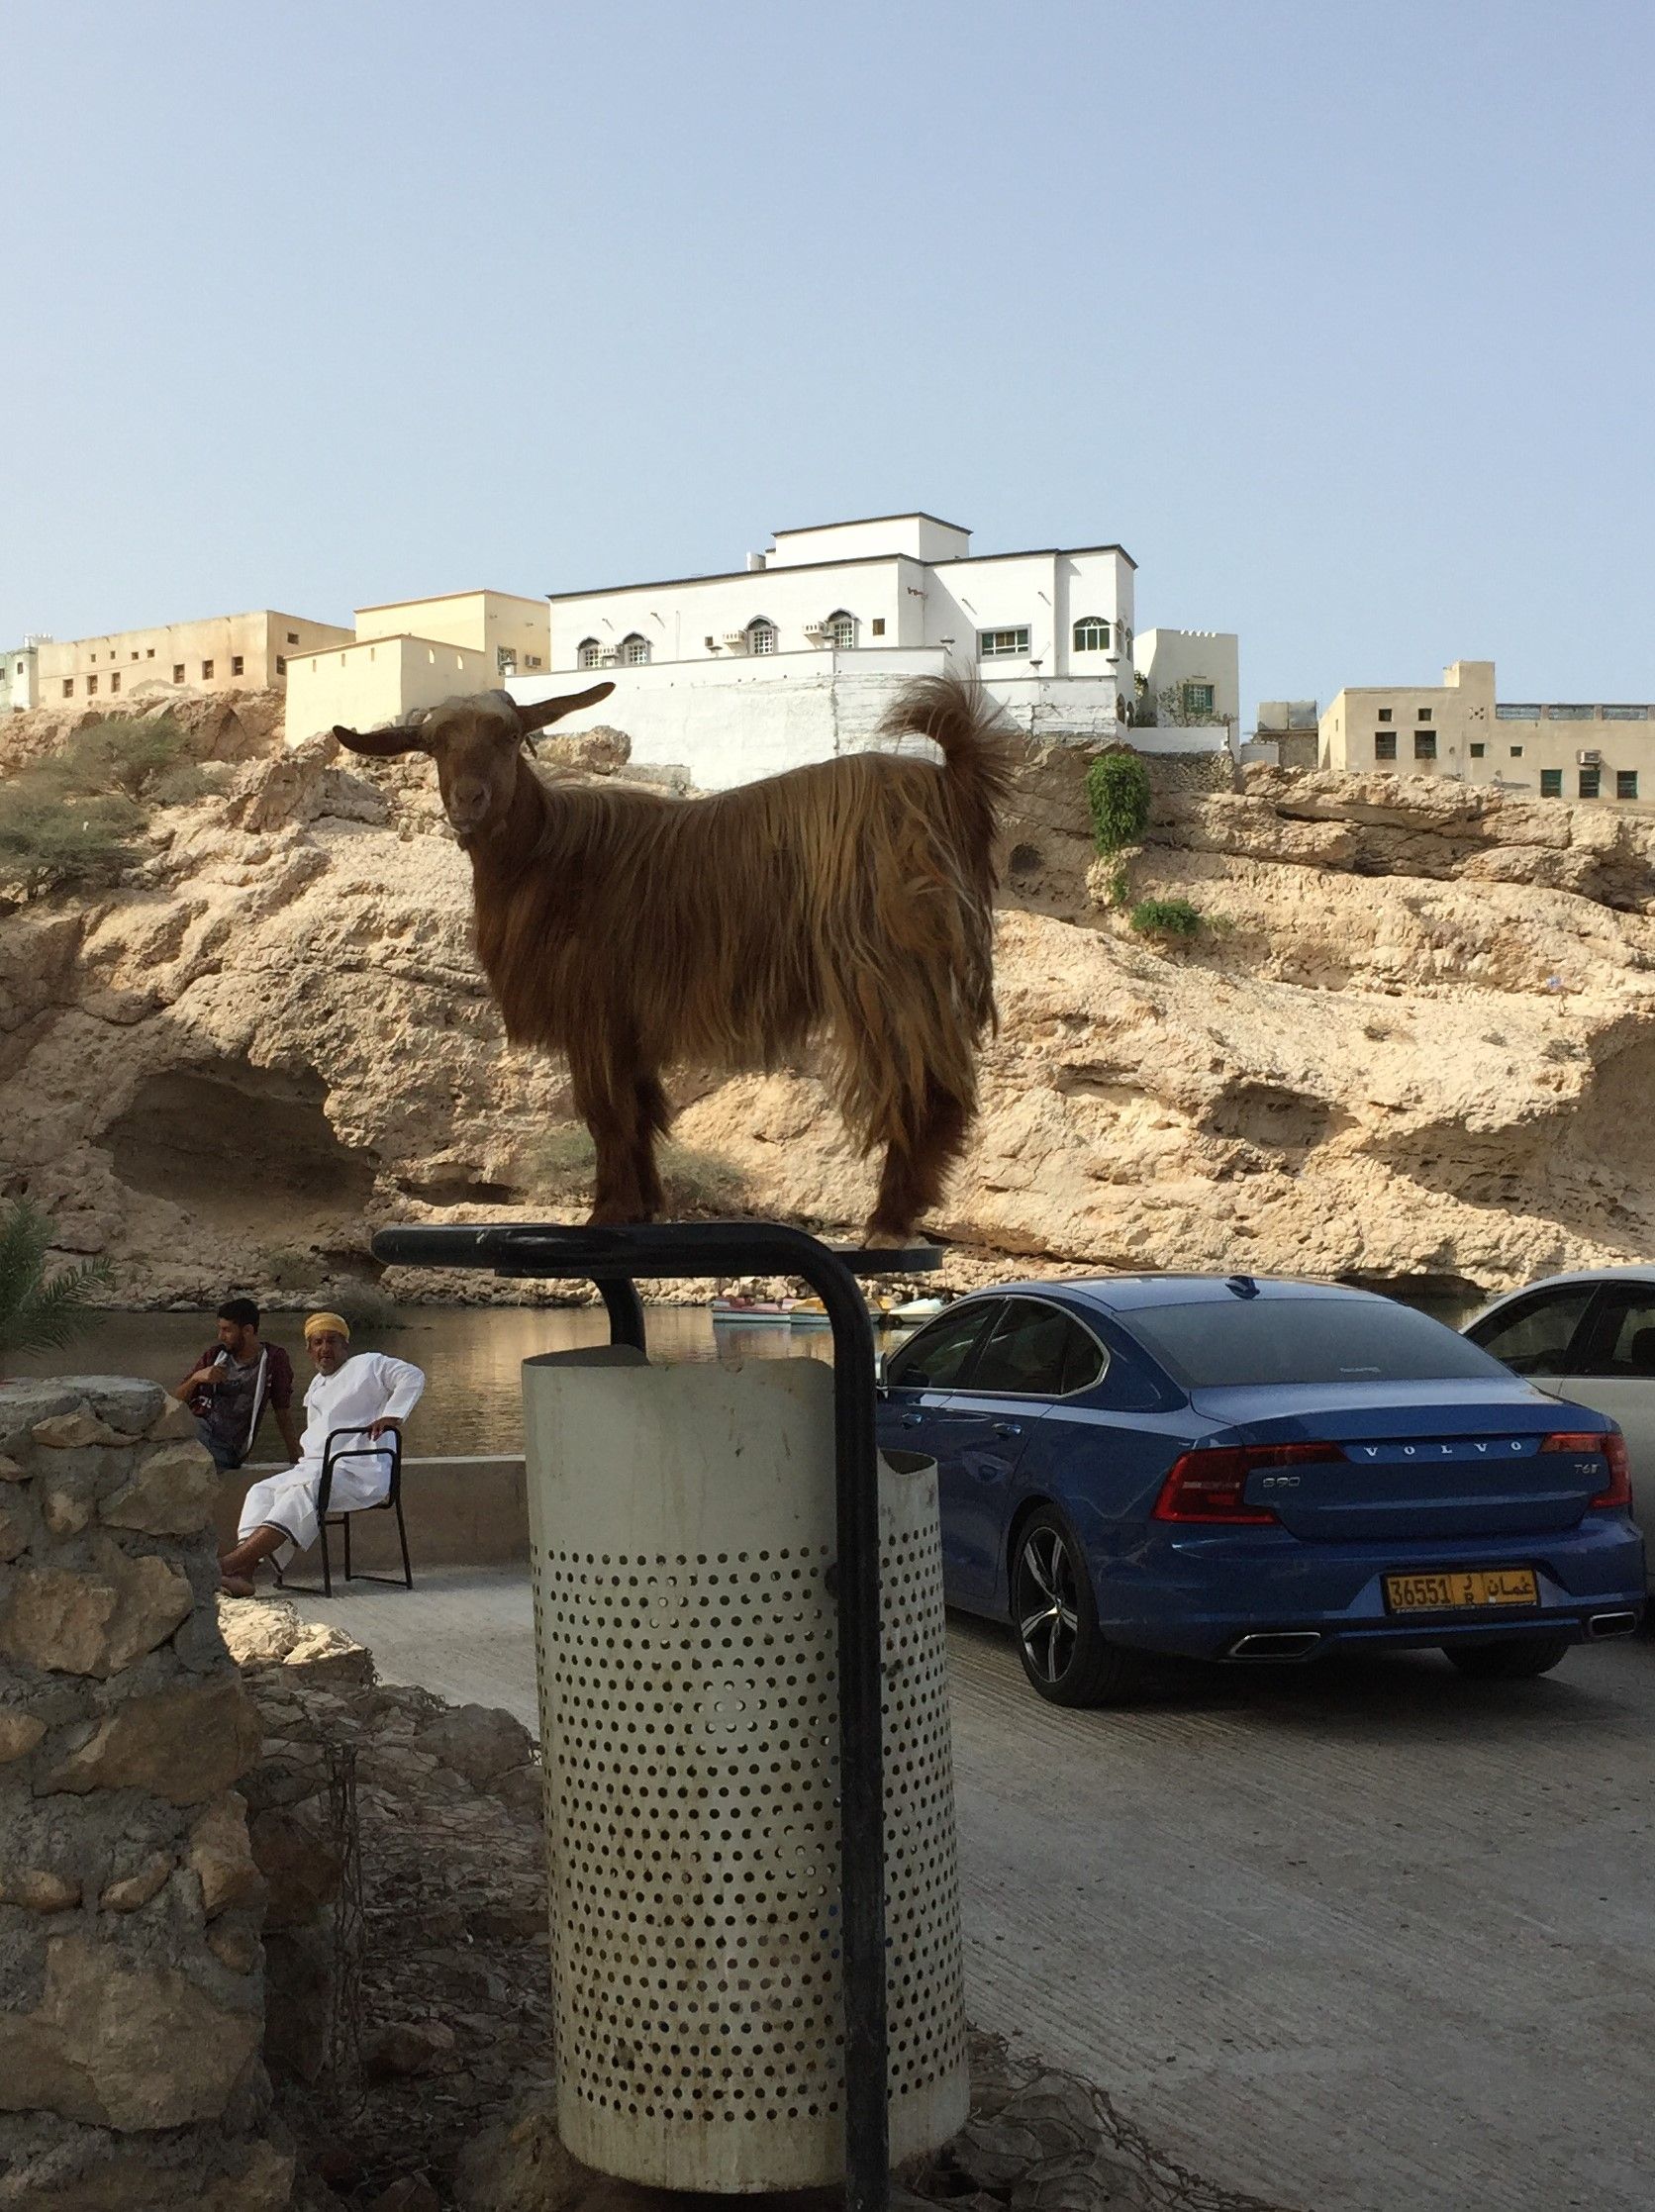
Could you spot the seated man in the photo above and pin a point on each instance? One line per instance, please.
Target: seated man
(369, 1391)
(232, 1384)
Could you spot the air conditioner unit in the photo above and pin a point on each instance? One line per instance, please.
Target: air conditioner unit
(816, 631)
(735, 640)
(1588, 760)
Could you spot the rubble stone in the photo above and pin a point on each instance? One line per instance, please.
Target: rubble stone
(185, 1744)
(172, 1494)
(220, 1857)
(130, 1891)
(65, 1620)
(20, 1732)
(478, 1742)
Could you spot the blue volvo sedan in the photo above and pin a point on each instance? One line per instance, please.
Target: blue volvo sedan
(1247, 1470)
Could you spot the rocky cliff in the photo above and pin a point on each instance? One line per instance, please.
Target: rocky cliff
(1413, 1042)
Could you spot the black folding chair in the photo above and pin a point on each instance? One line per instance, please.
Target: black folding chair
(391, 1502)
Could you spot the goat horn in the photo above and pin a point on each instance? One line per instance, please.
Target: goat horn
(397, 737)
(553, 710)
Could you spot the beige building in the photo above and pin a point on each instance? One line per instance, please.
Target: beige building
(412, 653)
(223, 653)
(1557, 750)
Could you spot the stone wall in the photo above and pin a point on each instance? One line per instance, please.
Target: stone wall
(132, 1998)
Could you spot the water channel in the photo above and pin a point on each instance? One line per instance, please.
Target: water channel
(471, 1356)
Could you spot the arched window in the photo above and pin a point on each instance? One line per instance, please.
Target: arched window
(1092, 634)
(635, 650)
(590, 654)
(761, 635)
(840, 629)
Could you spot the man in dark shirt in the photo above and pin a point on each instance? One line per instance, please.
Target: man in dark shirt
(232, 1384)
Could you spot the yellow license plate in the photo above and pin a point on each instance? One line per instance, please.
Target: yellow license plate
(1461, 1589)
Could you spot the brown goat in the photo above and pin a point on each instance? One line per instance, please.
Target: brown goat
(633, 931)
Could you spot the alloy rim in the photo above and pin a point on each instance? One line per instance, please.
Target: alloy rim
(1048, 1616)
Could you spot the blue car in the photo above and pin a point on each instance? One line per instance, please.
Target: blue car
(1238, 1469)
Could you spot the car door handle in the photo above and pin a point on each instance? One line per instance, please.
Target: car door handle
(1007, 1428)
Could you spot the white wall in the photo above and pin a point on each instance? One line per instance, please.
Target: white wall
(677, 618)
(920, 536)
(1201, 656)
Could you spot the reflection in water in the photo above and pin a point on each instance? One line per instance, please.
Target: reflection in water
(471, 1356)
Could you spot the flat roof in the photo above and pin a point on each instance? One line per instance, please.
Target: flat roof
(391, 637)
(858, 522)
(429, 599)
(140, 629)
(856, 560)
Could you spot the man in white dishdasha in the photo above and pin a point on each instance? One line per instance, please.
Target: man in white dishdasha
(365, 1392)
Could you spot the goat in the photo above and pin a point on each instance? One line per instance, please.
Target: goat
(629, 932)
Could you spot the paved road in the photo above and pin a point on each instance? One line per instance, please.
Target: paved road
(1361, 1940)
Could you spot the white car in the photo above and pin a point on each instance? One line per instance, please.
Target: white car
(1589, 1337)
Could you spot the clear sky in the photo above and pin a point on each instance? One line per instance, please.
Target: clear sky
(1336, 313)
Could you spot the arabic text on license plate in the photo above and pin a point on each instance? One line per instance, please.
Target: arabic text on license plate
(1461, 1589)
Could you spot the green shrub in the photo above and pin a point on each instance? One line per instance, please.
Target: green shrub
(291, 1271)
(1166, 917)
(188, 781)
(364, 1306)
(560, 1164)
(124, 756)
(40, 1312)
(1117, 794)
(50, 841)
(701, 1181)
(1118, 889)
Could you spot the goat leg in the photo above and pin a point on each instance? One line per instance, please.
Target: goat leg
(918, 1158)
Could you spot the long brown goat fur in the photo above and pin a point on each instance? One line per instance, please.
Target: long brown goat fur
(850, 900)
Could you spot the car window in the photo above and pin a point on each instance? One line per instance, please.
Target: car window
(932, 1360)
(1223, 1345)
(1533, 1336)
(1036, 1350)
(1621, 1338)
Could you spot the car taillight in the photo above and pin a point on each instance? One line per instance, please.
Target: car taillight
(1616, 1495)
(1211, 1484)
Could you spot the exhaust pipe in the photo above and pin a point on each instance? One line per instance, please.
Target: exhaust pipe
(1280, 1642)
(1600, 1625)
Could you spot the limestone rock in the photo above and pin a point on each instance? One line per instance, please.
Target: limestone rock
(404, 2047)
(477, 1741)
(129, 1892)
(175, 1424)
(172, 1494)
(10, 1471)
(258, 1632)
(412, 2193)
(220, 1857)
(39, 1889)
(120, 2044)
(299, 1992)
(94, 1622)
(328, 1655)
(65, 1513)
(16, 1530)
(300, 1862)
(65, 1431)
(520, 2166)
(20, 1732)
(186, 1743)
(255, 2178)
(235, 1945)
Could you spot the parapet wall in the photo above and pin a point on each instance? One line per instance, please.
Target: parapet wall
(131, 1994)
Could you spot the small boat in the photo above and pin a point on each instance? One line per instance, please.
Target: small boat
(735, 1313)
(909, 1311)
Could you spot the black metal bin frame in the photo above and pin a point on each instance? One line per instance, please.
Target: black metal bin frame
(613, 1259)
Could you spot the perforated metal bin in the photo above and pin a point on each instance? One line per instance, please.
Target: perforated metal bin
(682, 1530)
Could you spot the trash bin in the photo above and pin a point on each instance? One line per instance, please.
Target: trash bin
(682, 1530)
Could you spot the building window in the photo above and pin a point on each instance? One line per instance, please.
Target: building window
(206, 672)
(505, 660)
(1385, 713)
(589, 654)
(1551, 783)
(91, 687)
(635, 650)
(149, 653)
(68, 687)
(1424, 744)
(177, 671)
(1384, 745)
(134, 656)
(761, 636)
(114, 681)
(1092, 634)
(1590, 779)
(1423, 714)
(1002, 644)
(281, 664)
(1477, 752)
(1625, 783)
(293, 637)
(1516, 752)
(841, 631)
(236, 664)
(879, 626)
(1199, 699)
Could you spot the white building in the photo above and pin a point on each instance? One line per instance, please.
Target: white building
(20, 676)
(795, 657)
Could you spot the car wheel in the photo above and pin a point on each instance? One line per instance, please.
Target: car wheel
(1063, 1651)
(1513, 1658)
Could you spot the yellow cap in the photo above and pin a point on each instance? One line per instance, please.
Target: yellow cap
(316, 1322)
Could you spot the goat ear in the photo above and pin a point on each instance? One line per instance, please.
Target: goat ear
(398, 739)
(553, 710)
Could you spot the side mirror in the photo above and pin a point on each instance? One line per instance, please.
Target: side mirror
(879, 1364)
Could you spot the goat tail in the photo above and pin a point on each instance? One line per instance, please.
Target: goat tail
(957, 716)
